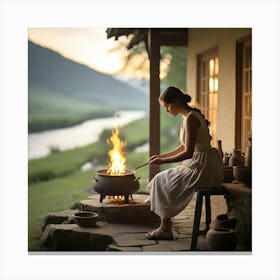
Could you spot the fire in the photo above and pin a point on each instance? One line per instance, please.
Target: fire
(117, 165)
(118, 198)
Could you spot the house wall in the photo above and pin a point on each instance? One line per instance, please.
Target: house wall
(201, 40)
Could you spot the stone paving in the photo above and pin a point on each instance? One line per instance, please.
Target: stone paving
(60, 233)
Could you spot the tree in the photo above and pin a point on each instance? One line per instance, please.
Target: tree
(173, 63)
(176, 72)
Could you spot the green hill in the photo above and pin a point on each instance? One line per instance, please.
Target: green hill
(62, 92)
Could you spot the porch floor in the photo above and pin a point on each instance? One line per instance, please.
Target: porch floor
(64, 235)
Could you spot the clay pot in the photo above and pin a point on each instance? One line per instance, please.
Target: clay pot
(237, 158)
(243, 174)
(85, 218)
(223, 222)
(228, 174)
(221, 239)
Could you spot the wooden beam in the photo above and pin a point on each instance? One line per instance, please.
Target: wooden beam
(173, 38)
(238, 99)
(154, 54)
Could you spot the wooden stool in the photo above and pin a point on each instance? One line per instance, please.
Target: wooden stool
(204, 192)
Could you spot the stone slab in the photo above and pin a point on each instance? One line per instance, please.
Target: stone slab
(238, 189)
(68, 237)
(183, 244)
(61, 237)
(58, 218)
(56, 236)
(185, 230)
(132, 240)
(137, 211)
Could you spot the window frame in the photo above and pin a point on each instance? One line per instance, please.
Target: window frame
(204, 93)
(241, 134)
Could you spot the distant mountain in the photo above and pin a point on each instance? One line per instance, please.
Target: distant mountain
(62, 92)
(140, 84)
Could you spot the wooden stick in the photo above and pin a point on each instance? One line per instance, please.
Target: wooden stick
(142, 165)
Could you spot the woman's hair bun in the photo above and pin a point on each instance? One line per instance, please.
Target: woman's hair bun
(187, 98)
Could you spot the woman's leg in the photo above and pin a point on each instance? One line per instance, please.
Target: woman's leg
(165, 226)
(164, 231)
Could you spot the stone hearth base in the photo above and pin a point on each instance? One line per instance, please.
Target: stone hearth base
(135, 212)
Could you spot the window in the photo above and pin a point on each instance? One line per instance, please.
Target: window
(244, 93)
(208, 85)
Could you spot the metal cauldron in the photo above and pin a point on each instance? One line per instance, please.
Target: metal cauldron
(115, 185)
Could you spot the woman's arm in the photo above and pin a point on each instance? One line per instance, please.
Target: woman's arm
(179, 149)
(183, 152)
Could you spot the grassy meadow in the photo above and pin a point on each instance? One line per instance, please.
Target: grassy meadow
(47, 110)
(56, 182)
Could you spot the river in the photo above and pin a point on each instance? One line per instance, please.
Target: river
(40, 143)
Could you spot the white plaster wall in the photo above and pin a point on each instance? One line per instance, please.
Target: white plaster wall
(201, 40)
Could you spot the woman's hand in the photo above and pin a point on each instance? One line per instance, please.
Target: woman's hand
(156, 159)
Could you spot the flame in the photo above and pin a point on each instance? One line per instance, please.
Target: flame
(117, 165)
(118, 198)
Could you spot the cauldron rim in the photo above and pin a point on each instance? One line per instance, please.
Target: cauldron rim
(103, 172)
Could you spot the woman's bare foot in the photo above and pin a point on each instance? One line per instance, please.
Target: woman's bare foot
(159, 234)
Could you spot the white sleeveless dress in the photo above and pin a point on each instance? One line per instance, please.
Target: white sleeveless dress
(172, 190)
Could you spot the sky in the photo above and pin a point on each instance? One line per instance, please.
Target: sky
(88, 46)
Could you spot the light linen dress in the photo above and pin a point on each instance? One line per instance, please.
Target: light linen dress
(171, 190)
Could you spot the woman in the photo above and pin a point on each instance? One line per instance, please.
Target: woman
(201, 166)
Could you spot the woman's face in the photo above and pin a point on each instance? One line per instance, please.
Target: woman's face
(171, 108)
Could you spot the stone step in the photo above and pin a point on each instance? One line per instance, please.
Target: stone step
(137, 211)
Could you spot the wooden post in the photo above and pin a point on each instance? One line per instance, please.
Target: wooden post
(154, 55)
